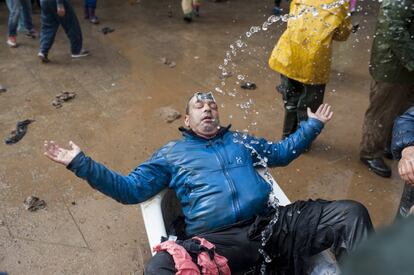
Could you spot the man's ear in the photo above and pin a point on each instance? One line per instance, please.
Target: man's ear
(187, 120)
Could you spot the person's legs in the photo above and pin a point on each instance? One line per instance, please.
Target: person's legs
(312, 97)
(387, 101)
(343, 225)
(27, 14)
(14, 8)
(49, 26)
(233, 243)
(90, 5)
(72, 28)
(290, 90)
(187, 9)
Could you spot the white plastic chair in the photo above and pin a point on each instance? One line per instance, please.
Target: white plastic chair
(322, 264)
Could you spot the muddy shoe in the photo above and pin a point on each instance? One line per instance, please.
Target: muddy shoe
(18, 134)
(33, 203)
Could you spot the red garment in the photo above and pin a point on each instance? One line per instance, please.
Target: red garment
(208, 267)
(185, 265)
(182, 259)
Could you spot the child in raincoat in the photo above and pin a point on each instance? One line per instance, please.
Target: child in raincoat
(303, 55)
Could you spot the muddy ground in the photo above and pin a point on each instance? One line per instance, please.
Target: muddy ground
(114, 119)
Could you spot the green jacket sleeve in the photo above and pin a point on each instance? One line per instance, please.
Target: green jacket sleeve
(399, 14)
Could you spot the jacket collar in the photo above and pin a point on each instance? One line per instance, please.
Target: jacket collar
(188, 133)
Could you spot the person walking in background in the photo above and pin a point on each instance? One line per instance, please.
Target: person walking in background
(303, 55)
(55, 13)
(19, 9)
(90, 6)
(190, 8)
(392, 88)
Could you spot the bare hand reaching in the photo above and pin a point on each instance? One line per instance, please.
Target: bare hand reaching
(60, 155)
(323, 114)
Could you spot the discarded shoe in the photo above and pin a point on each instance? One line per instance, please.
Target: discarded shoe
(33, 203)
(107, 30)
(82, 53)
(378, 166)
(18, 134)
(43, 57)
(248, 85)
(62, 97)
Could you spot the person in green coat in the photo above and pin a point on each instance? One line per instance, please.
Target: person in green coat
(392, 88)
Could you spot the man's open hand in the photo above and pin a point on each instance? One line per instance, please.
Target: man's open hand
(406, 165)
(59, 154)
(323, 114)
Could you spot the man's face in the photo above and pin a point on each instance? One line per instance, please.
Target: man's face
(203, 116)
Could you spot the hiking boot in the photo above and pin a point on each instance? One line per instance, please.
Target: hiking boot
(82, 53)
(11, 41)
(43, 57)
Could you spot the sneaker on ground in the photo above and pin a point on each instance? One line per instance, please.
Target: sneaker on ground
(43, 57)
(82, 53)
(94, 20)
(31, 34)
(11, 41)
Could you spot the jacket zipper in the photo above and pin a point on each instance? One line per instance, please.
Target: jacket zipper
(229, 180)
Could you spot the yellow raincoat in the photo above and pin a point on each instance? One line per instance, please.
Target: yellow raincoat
(304, 50)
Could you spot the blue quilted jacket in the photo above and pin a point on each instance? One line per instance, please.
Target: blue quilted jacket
(215, 180)
(403, 133)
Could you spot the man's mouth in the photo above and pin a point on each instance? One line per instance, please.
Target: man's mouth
(208, 119)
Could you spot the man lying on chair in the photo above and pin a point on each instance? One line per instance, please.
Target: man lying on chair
(223, 198)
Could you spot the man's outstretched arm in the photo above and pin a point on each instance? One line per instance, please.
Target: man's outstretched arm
(281, 153)
(144, 182)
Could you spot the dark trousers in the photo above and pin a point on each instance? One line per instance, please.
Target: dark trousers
(90, 4)
(386, 102)
(50, 24)
(297, 97)
(341, 226)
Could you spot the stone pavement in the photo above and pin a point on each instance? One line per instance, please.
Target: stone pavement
(113, 119)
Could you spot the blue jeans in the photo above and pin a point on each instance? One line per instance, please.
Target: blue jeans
(50, 24)
(90, 4)
(22, 9)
